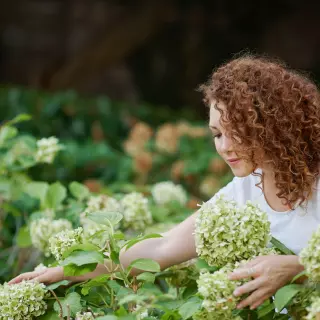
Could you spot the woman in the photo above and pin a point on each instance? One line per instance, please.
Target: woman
(265, 120)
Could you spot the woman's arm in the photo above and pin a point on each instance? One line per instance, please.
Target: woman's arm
(176, 246)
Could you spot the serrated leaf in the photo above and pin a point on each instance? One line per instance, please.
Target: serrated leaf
(145, 264)
(56, 285)
(81, 258)
(107, 218)
(262, 312)
(73, 301)
(79, 190)
(284, 295)
(190, 307)
(74, 270)
(55, 195)
(132, 242)
(133, 297)
(147, 277)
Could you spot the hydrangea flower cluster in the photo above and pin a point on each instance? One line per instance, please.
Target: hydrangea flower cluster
(314, 309)
(41, 230)
(47, 149)
(167, 191)
(22, 301)
(310, 257)
(40, 267)
(225, 233)
(217, 292)
(84, 316)
(63, 241)
(183, 274)
(136, 213)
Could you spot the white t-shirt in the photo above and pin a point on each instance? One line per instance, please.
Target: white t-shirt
(293, 228)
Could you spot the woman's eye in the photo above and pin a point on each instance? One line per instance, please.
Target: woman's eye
(217, 135)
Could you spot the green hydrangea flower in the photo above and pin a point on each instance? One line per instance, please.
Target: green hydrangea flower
(310, 257)
(217, 292)
(183, 274)
(136, 213)
(63, 241)
(314, 309)
(225, 233)
(84, 316)
(22, 301)
(167, 191)
(41, 230)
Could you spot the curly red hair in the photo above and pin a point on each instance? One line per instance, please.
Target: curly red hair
(277, 110)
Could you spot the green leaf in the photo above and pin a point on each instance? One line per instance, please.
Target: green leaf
(72, 300)
(55, 195)
(190, 307)
(299, 275)
(202, 264)
(7, 133)
(56, 285)
(279, 245)
(81, 258)
(108, 218)
(51, 315)
(95, 282)
(132, 242)
(19, 118)
(23, 237)
(78, 190)
(145, 264)
(133, 297)
(109, 317)
(147, 277)
(37, 190)
(81, 246)
(284, 295)
(74, 270)
(262, 312)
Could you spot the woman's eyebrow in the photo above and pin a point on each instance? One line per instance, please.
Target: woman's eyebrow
(213, 127)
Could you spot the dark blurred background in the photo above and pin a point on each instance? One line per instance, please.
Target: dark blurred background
(152, 51)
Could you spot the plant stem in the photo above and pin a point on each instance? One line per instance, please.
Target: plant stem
(61, 309)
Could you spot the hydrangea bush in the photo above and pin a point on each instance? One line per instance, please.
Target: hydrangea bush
(165, 192)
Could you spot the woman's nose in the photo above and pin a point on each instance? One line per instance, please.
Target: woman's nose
(226, 144)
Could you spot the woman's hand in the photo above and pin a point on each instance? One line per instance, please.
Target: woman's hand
(47, 276)
(269, 274)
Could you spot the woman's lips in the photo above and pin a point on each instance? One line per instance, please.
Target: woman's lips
(233, 161)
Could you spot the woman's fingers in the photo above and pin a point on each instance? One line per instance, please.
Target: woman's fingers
(26, 276)
(253, 299)
(244, 272)
(249, 287)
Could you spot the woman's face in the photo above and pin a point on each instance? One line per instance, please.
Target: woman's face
(226, 148)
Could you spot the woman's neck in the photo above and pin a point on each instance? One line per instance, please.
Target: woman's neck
(270, 191)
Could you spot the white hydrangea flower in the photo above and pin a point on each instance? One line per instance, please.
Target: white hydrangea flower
(217, 292)
(225, 233)
(310, 257)
(167, 191)
(314, 309)
(40, 267)
(22, 301)
(47, 149)
(63, 241)
(41, 230)
(84, 316)
(136, 213)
